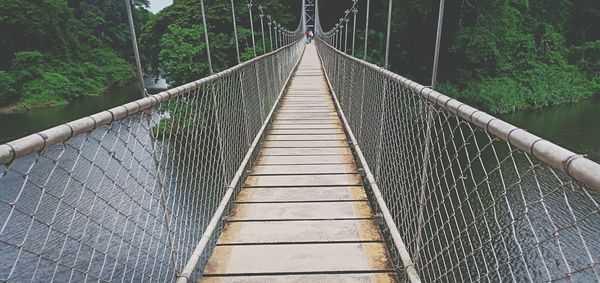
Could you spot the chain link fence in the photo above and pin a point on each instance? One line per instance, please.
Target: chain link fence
(126, 194)
(474, 198)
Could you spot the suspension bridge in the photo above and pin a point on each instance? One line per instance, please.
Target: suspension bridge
(303, 164)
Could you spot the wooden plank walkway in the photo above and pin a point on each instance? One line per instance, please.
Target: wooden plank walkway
(302, 214)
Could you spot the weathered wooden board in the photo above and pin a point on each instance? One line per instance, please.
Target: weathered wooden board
(323, 159)
(260, 259)
(300, 194)
(383, 277)
(304, 169)
(302, 214)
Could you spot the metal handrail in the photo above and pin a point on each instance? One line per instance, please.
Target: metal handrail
(577, 166)
(46, 138)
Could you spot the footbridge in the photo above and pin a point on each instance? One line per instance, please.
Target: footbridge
(303, 164)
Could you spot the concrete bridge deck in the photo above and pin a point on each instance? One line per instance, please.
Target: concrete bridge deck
(302, 214)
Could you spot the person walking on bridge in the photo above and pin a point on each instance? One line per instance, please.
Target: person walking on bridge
(309, 36)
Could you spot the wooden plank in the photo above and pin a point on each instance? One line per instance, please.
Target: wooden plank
(303, 214)
(301, 194)
(300, 231)
(305, 131)
(317, 144)
(296, 258)
(305, 126)
(293, 107)
(300, 211)
(305, 110)
(387, 277)
(307, 159)
(303, 180)
(305, 115)
(307, 104)
(306, 151)
(303, 169)
(332, 120)
(305, 137)
(307, 98)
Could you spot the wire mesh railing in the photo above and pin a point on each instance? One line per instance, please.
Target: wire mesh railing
(474, 198)
(127, 193)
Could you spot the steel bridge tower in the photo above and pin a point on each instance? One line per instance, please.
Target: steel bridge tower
(308, 14)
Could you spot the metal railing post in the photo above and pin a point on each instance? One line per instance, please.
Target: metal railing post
(389, 30)
(262, 29)
(276, 37)
(251, 27)
(354, 11)
(438, 39)
(346, 20)
(167, 216)
(270, 25)
(136, 53)
(428, 125)
(237, 45)
(366, 30)
(205, 27)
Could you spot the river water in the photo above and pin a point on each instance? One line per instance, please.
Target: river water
(17, 125)
(573, 126)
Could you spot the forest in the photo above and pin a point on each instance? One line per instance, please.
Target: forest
(500, 55)
(54, 51)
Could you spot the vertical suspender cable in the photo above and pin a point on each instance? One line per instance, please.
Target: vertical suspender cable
(275, 33)
(438, 39)
(260, 100)
(337, 38)
(251, 26)
(136, 53)
(237, 45)
(210, 67)
(270, 25)
(346, 36)
(387, 41)
(317, 21)
(366, 30)
(262, 28)
(163, 194)
(280, 33)
(364, 71)
(355, 11)
(427, 153)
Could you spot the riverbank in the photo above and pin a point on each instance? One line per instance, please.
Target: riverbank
(17, 124)
(25, 106)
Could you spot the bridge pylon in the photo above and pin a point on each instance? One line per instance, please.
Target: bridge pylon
(308, 14)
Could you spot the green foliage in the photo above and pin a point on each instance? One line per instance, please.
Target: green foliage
(501, 55)
(7, 86)
(587, 58)
(75, 47)
(498, 95)
(551, 84)
(507, 56)
(49, 90)
(179, 23)
(182, 54)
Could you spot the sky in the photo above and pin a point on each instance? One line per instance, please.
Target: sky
(157, 5)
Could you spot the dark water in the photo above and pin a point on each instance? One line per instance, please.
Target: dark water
(17, 125)
(573, 126)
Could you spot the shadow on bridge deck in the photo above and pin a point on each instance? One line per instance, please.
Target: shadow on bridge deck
(302, 215)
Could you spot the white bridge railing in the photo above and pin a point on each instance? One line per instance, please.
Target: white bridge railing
(473, 197)
(126, 194)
